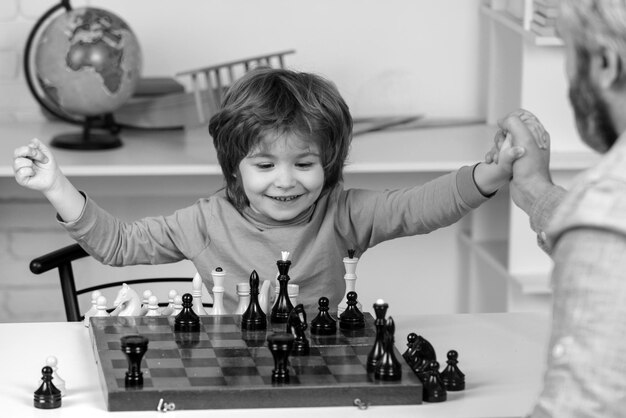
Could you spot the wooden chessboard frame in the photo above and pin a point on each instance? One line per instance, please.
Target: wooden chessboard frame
(224, 367)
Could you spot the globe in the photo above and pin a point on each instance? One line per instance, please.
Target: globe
(87, 61)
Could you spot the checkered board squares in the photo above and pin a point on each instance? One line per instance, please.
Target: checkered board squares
(225, 367)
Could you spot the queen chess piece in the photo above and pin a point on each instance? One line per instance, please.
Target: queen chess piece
(282, 306)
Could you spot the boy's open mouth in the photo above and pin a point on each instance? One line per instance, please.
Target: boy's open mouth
(284, 198)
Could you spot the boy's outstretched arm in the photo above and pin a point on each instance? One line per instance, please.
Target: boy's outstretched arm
(35, 168)
(489, 177)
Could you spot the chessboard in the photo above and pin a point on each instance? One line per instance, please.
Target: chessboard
(224, 367)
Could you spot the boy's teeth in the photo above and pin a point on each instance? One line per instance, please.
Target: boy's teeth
(284, 199)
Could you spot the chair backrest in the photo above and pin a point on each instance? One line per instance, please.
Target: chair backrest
(62, 258)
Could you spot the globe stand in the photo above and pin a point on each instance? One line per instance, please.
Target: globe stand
(89, 140)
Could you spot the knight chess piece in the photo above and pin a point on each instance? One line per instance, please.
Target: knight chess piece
(323, 323)
(296, 325)
(134, 347)
(352, 318)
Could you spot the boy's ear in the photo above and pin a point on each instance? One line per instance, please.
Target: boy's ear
(607, 66)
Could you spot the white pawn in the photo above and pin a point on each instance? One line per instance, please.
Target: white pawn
(264, 296)
(101, 306)
(349, 264)
(51, 361)
(218, 291)
(196, 292)
(92, 310)
(293, 290)
(178, 305)
(144, 302)
(243, 291)
(153, 306)
(167, 311)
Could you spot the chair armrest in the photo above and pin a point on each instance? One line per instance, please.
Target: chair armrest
(57, 258)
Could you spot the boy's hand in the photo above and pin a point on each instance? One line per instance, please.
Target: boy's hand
(34, 166)
(539, 133)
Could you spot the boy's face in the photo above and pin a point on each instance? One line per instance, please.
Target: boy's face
(283, 176)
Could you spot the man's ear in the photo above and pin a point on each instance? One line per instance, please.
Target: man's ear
(607, 66)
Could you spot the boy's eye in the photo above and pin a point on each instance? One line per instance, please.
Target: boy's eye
(264, 166)
(304, 165)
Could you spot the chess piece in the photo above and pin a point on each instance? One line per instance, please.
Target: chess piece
(452, 377)
(351, 318)
(349, 263)
(243, 292)
(127, 302)
(434, 389)
(388, 367)
(134, 347)
(293, 290)
(196, 293)
(153, 306)
(178, 305)
(296, 325)
(187, 320)
(101, 307)
(422, 354)
(167, 311)
(282, 306)
(323, 323)
(144, 302)
(408, 355)
(280, 344)
(47, 396)
(92, 310)
(380, 310)
(264, 295)
(58, 382)
(254, 318)
(218, 292)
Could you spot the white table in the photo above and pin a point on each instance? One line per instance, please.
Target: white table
(502, 356)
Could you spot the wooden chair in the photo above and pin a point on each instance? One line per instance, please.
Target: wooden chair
(62, 259)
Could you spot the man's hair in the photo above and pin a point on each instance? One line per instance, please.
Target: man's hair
(278, 101)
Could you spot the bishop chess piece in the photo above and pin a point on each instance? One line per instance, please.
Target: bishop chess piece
(134, 347)
(453, 378)
(218, 291)
(323, 323)
(280, 344)
(196, 293)
(352, 318)
(254, 318)
(187, 320)
(296, 325)
(282, 306)
(434, 389)
(349, 263)
(380, 310)
(47, 396)
(388, 367)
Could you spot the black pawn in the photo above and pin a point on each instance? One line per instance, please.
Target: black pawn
(408, 355)
(380, 310)
(47, 396)
(453, 378)
(134, 347)
(283, 306)
(352, 317)
(254, 318)
(323, 323)
(280, 344)
(187, 320)
(388, 366)
(433, 390)
(296, 325)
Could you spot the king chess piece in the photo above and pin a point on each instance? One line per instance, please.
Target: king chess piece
(388, 367)
(280, 345)
(352, 318)
(47, 396)
(296, 325)
(349, 263)
(187, 320)
(380, 310)
(134, 347)
(254, 318)
(452, 377)
(282, 306)
(323, 323)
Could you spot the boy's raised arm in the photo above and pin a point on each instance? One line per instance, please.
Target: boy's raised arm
(34, 167)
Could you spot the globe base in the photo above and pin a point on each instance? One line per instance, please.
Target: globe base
(90, 142)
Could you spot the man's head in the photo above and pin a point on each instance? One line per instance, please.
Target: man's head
(594, 32)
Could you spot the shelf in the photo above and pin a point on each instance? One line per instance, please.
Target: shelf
(513, 24)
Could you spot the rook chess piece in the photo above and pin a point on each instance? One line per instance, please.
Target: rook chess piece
(434, 389)
(254, 318)
(47, 396)
(296, 325)
(218, 292)
(349, 263)
(196, 293)
(283, 306)
(280, 344)
(388, 367)
(323, 323)
(452, 377)
(134, 347)
(187, 320)
(380, 310)
(352, 317)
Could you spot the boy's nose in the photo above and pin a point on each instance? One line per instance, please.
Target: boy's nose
(285, 179)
